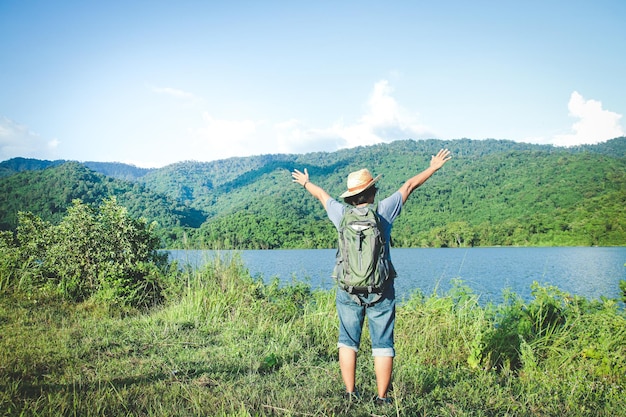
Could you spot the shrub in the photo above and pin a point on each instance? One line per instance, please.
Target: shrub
(94, 251)
(8, 260)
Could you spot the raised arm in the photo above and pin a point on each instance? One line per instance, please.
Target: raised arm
(436, 162)
(316, 191)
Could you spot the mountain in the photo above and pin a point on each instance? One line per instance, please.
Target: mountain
(493, 192)
(15, 165)
(47, 192)
(111, 169)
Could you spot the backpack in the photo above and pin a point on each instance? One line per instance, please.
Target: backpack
(363, 265)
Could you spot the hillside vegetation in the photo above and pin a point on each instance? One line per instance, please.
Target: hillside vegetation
(49, 192)
(95, 322)
(493, 192)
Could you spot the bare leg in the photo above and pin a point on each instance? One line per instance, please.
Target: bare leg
(347, 364)
(383, 367)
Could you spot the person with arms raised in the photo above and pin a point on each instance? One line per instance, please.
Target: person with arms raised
(377, 306)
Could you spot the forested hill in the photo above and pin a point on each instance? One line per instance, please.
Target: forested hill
(48, 192)
(493, 192)
(111, 169)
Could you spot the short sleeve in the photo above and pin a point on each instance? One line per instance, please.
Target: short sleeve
(390, 207)
(335, 210)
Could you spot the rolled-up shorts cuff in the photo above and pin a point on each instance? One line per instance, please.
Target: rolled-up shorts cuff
(388, 352)
(343, 345)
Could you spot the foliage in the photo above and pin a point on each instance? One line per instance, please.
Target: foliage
(110, 169)
(100, 252)
(49, 192)
(228, 344)
(10, 271)
(493, 192)
(15, 165)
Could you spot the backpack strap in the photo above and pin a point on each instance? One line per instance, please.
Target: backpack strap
(362, 302)
(354, 293)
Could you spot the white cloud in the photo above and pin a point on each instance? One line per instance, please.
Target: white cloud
(17, 140)
(292, 136)
(594, 124)
(384, 121)
(174, 92)
(218, 139)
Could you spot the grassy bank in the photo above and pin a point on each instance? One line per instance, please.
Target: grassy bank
(225, 344)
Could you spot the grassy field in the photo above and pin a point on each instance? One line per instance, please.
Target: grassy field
(225, 344)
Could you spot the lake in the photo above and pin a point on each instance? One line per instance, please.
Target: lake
(591, 272)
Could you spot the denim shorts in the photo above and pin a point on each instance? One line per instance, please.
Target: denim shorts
(381, 317)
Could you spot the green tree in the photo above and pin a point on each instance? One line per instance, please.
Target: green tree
(95, 251)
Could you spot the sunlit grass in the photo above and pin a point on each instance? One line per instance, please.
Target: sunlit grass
(227, 344)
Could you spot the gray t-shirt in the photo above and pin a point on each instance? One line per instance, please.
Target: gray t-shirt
(388, 210)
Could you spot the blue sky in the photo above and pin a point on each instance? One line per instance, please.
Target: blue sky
(158, 82)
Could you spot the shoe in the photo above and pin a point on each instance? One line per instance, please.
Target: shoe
(354, 397)
(382, 401)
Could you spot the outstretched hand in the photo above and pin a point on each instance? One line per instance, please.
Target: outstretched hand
(437, 161)
(300, 177)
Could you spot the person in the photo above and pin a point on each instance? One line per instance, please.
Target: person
(381, 315)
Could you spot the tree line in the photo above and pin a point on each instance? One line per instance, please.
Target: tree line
(493, 192)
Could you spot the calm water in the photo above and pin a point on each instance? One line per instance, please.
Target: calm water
(589, 272)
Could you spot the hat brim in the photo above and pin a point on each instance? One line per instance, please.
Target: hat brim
(360, 190)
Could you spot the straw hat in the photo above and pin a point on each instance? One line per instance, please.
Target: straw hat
(359, 181)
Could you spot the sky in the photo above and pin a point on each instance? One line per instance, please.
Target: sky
(152, 83)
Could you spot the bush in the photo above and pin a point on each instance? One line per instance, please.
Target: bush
(93, 252)
(8, 260)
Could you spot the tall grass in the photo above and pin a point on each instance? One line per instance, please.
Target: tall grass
(227, 344)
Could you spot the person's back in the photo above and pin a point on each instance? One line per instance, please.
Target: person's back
(377, 306)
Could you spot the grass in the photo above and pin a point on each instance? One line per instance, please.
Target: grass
(227, 345)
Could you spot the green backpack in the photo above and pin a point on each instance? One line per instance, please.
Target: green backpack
(363, 265)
